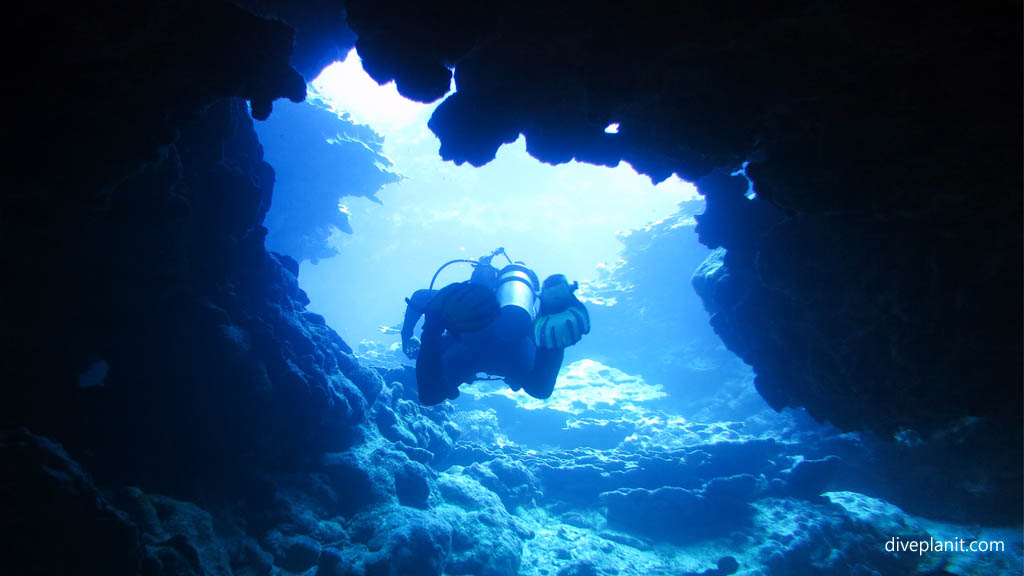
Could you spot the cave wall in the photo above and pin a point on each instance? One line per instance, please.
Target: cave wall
(147, 328)
(214, 367)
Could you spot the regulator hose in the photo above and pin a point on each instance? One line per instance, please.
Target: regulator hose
(446, 264)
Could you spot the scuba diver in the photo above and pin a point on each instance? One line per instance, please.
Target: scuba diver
(500, 322)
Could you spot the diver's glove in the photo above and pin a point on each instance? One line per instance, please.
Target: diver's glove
(563, 318)
(563, 329)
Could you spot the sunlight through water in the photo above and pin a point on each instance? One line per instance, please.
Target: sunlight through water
(557, 219)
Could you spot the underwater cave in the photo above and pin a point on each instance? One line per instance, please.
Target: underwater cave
(358, 288)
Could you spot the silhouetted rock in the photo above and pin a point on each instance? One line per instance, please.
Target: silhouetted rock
(306, 209)
(55, 520)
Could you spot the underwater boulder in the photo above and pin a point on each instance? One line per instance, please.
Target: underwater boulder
(680, 515)
(55, 520)
(412, 484)
(173, 557)
(486, 538)
(579, 483)
(248, 558)
(367, 380)
(487, 542)
(390, 427)
(579, 568)
(357, 483)
(334, 563)
(425, 434)
(465, 491)
(399, 541)
(665, 513)
(295, 553)
(511, 480)
(177, 533)
(793, 536)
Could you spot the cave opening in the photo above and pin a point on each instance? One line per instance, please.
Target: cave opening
(402, 212)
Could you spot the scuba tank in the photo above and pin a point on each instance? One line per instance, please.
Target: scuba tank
(517, 294)
(517, 297)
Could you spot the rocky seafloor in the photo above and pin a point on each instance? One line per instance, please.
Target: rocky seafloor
(599, 481)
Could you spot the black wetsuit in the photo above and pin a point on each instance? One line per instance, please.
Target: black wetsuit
(447, 360)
